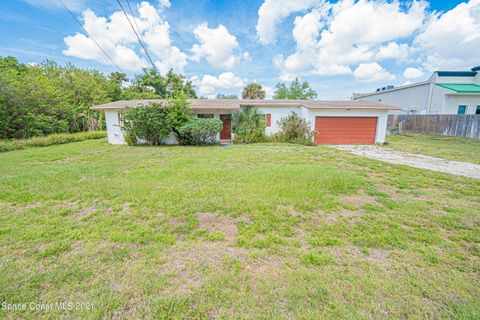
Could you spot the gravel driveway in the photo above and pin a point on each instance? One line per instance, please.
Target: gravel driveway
(458, 168)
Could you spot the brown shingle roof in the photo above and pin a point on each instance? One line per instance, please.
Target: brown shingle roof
(237, 103)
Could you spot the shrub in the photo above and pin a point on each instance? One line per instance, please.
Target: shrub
(130, 139)
(155, 122)
(44, 141)
(249, 125)
(149, 123)
(295, 130)
(199, 131)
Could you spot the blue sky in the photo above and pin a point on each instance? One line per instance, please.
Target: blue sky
(340, 47)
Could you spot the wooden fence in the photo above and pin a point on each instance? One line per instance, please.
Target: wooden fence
(461, 125)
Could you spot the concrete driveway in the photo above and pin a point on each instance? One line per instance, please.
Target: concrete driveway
(458, 168)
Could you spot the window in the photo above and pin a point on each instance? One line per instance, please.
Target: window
(268, 120)
(462, 109)
(478, 110)
(121, 119)
(205, 115)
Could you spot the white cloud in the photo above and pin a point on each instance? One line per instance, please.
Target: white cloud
(120, 42)
(452, 40)
(74, 5)
(393, 51)
(331, 38)
(209, 84)
(217, 45)
(165, 3)
(272, 12)
(246, 56)
(412, 73)
(269, 92)
(370, 72)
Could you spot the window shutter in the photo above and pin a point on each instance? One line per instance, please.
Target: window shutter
(268, 119)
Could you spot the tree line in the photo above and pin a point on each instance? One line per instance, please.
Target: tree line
(45, 98)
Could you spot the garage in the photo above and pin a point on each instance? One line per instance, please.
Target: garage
(345, 130)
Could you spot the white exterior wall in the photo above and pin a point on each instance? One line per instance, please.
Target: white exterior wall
(114, 132)
(452, 101)
(381, 115)
(410, 98)
(277, 113)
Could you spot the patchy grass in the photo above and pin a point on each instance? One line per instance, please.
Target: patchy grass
(53, 139)
(234, 232)
(450, 148)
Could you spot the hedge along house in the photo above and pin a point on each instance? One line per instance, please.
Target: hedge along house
(334, 122)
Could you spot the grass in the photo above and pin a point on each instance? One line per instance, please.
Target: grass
(451, 148)
(270, 231)
(53, 139)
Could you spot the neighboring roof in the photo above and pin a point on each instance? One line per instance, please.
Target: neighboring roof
(456, 73)
(363, 95)
(234, 104)
(461, 87)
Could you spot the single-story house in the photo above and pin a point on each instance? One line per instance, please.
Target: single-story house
(334, 122)
(445, 92)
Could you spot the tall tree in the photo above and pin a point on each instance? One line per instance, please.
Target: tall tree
(253, 91)
(296, 90)
(168, 86)
(226, 96)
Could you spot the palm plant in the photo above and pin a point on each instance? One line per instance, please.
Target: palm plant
(253, 91)
(248, 125)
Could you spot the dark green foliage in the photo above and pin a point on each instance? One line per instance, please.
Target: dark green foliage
(168, 86)
(49, 98)
(296, 90)
(200, 131)
(226, 96)
(10, 145)
(178, 111)
(149, 123)
(253, 91)
(294, 130)
(248, 125)
(155, 122)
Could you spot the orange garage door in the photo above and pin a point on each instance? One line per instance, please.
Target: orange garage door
(345, 130)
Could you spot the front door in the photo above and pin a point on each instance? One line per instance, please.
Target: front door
(226, 133)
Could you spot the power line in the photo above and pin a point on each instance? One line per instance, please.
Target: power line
(138, 37)
(90, 36)
(134, 19)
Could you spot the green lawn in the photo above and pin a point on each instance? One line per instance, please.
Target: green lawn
(451, 148)
(235, 232)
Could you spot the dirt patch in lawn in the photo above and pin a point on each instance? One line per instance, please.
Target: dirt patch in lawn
(357, 199)
(218, 223)
(188, 264)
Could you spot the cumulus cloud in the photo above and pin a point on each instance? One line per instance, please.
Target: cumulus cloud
(332, 37)
(121, 43)
(209, 84)
(217, 46)
(370, 72)
(272, 12)
(452, 39)
(412, 73)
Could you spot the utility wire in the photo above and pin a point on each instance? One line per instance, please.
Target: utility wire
(90, 36)
(138, 37)
(134, 19)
